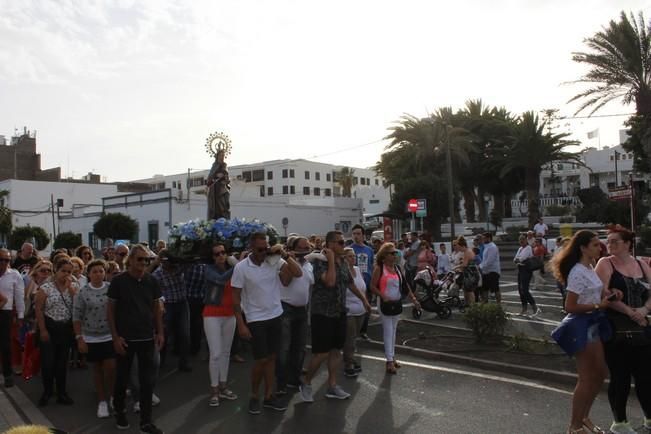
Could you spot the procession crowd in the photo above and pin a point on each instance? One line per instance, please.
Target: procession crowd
(126, 312)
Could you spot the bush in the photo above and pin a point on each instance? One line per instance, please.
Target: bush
(116, 226)
(67, 240)
(487, 320)
(513, 232)
(28, 234)
(557, 210)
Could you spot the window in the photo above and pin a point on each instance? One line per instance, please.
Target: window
(355, 180)
(368, 181)
(362, 181)
(284, 173)
(291, 173)
(623, 156)
(262, 191)
(292, 189)
(270, 191)
(258, 175)
(285, 189)
(246, 176)
(612, 158)
(327, 192)
(377, 181)
(329, 177)
(307, 174)
(317, 191)
(317, 176)
(270, 175)
(173, 184)
(306, 191)
(374, 201)
(630, 156)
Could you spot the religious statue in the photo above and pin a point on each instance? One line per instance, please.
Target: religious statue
(218, 145)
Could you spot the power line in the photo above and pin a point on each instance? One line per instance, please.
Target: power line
(597, 116)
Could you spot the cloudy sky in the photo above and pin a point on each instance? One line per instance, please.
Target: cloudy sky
(129, 89)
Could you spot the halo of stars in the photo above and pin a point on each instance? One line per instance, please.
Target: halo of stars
(216, 142)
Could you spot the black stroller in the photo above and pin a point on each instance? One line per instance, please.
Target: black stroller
(438, 296)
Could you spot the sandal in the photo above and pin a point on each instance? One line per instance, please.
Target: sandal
(391, 369)
(591, 427)
(577, 431)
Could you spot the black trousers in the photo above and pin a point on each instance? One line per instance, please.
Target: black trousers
(196, 324)
(145, 352)
(54, 356)
(5, 342)
(524, 280)
(625, 361)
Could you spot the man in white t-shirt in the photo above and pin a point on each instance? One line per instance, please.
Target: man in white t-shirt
(540, 229)
(294, 297)
(12, 291)
(256, 283)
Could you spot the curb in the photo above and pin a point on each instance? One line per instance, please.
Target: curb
(32, 415)
(529, 372)
(8, 411)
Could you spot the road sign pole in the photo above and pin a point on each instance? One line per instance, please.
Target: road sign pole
(630, 182)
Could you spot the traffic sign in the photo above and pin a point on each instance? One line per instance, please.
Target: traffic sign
(412, 205)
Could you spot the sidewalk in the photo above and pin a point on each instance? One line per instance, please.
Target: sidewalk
(17, 409)
(9, 416)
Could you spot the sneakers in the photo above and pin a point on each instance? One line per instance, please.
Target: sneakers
(155, 400)
(622, 428)
(523, 312)
(227, 394)
(102, 410)
(337, 393)
(274, 404)
(150, 428)
(364, 336)
(306, 392)
(537, 312)
(254, 406)
(214, 401)
(121, 421)
(293, 385)
(351, 372)
(281, 390)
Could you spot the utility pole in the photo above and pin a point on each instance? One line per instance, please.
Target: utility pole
(448, 158)
(54, 229)
(616, 158)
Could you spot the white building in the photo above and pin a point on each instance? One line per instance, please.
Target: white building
(39, 203)
(288, 181)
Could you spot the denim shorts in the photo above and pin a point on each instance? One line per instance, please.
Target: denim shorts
(593, 333)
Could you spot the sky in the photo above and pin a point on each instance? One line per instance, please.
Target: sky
(129, 89)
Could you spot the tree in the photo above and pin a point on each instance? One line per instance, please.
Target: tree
(5, 216)
(345, 178)
(529, 148)
(116, 226)
(28, 234)
(620, 67)
(67, 240)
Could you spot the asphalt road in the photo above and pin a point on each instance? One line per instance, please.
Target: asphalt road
(425, 397)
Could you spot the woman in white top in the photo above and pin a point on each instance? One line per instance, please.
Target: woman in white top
(524, 276)
(585, 295)
(354, 316)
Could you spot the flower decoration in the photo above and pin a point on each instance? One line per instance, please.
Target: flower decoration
(187, 239)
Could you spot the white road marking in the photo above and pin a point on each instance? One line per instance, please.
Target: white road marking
(474, 374)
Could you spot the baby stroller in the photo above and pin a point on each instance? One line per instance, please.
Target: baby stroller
(438, 296)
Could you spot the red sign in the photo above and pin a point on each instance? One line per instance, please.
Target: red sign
(412, 205)
(620, 193)
(388, 230)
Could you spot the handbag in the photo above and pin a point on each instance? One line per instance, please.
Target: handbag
(534, 263)
(391, 308)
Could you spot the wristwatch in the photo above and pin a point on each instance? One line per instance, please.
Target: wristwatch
(596, 306)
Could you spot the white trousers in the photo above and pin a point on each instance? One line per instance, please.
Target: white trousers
(219, 334)
(389, 327)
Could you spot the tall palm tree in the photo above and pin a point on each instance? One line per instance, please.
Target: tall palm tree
(529, 149)
(620, 67)
(345, 178)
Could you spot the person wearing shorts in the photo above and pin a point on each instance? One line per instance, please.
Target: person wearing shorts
(93, 334)
(256, 283)
(490, 269)
(328, 320)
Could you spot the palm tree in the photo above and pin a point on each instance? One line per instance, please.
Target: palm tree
(345, 178)
(620, 67)
(529, 149)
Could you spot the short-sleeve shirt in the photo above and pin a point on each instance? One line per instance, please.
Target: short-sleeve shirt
(260, 285)
(330, 301)
(297, 293)
(413, 259)
(364, 260)
(134, 305)
(585, 282)
(58, 305)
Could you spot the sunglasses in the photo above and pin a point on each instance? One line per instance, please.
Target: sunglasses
(394, 253)
(218, 254)
(121, 254)
(144, 259)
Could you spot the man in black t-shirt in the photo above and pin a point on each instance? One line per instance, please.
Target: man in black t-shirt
(134, 313)
(25, 259)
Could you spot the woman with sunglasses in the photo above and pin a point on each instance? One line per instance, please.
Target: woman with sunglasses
(219, 322)
(628, 354)
(387, 282)
(54, 319)
(41, 273)
(85, 253)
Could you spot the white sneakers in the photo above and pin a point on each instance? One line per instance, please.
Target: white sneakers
(103, 410)
(622, 428)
